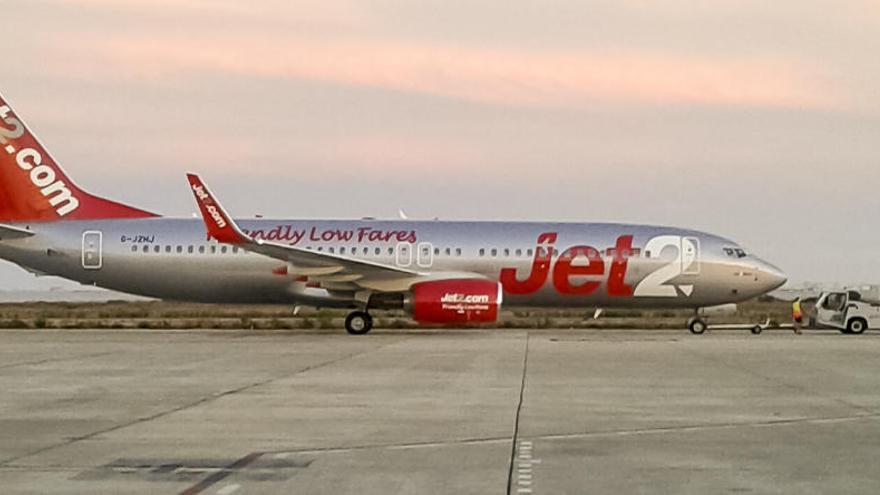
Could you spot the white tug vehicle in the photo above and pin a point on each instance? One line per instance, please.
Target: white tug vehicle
(846, 311)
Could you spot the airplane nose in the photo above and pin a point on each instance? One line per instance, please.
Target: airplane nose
(771, 277)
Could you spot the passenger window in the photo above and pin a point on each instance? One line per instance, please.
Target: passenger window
(506, 252)
(189, 249)
(179, 249)
(168, 249)
(146, 249)
(134, 249)
(235, 250)
(458, 251)
(482, 252)
(390, 251)
(222, 249)
(157, 248)
(378, 251)
(201, 249)
(213, 249)
(436, 251)
(740, 253)
(331, 250)
(494, 252)
(529, 253)
(519, 252)
(342, 250)
(366, 250)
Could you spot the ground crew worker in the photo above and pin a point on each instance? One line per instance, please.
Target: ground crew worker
(797, 315)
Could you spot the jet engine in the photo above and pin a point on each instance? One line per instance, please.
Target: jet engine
(455, 302)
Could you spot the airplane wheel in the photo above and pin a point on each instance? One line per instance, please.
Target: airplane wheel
(697, 326)
(857, 326)
(358, 323)
(756, 330)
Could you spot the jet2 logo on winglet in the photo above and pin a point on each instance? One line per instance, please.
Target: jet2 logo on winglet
(42, 175)
(208, 203)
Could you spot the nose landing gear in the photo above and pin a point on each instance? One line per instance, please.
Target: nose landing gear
(697, 325)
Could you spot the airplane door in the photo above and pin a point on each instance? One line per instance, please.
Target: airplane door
(404, 254)
(92, 250)
(690, 256)
(425, 257)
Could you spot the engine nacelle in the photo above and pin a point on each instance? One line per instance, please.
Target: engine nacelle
(456, 302)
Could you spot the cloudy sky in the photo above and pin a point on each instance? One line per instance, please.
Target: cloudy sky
(752, 119)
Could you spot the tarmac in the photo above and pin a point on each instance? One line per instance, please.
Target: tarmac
(417, 412)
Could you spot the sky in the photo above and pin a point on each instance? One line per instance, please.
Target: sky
(755, 120)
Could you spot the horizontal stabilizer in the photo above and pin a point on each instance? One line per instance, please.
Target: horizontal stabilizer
(9, 232)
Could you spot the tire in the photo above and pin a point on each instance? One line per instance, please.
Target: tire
(358, 323)
(697, 326)
(756, 330)
(857, 326)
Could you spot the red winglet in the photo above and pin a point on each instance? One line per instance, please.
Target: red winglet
(220, 225)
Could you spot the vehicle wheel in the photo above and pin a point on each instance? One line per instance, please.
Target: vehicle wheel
(756, 330)
(697, 326)
(358, 323)
(857, 326)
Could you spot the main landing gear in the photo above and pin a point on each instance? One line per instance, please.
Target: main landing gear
(358, 323)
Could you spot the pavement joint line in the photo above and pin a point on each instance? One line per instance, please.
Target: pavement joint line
(55, 360)
(522, 388)
(792, 386)
(389, 446)
(710, 426)
(199, 402)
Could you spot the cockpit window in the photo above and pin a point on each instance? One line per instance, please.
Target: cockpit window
(735, 252)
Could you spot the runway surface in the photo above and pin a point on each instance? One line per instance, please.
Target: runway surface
(454, 412)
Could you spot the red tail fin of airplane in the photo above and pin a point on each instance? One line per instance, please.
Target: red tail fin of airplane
(34, 188)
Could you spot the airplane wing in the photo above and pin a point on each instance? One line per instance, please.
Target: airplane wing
(332, 271)
(9, 232)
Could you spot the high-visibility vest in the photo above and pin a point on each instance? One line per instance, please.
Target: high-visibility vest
(796, 309)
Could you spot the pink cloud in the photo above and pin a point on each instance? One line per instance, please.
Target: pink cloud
(503, 77)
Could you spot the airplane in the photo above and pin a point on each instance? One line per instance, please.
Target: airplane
(447, 273)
